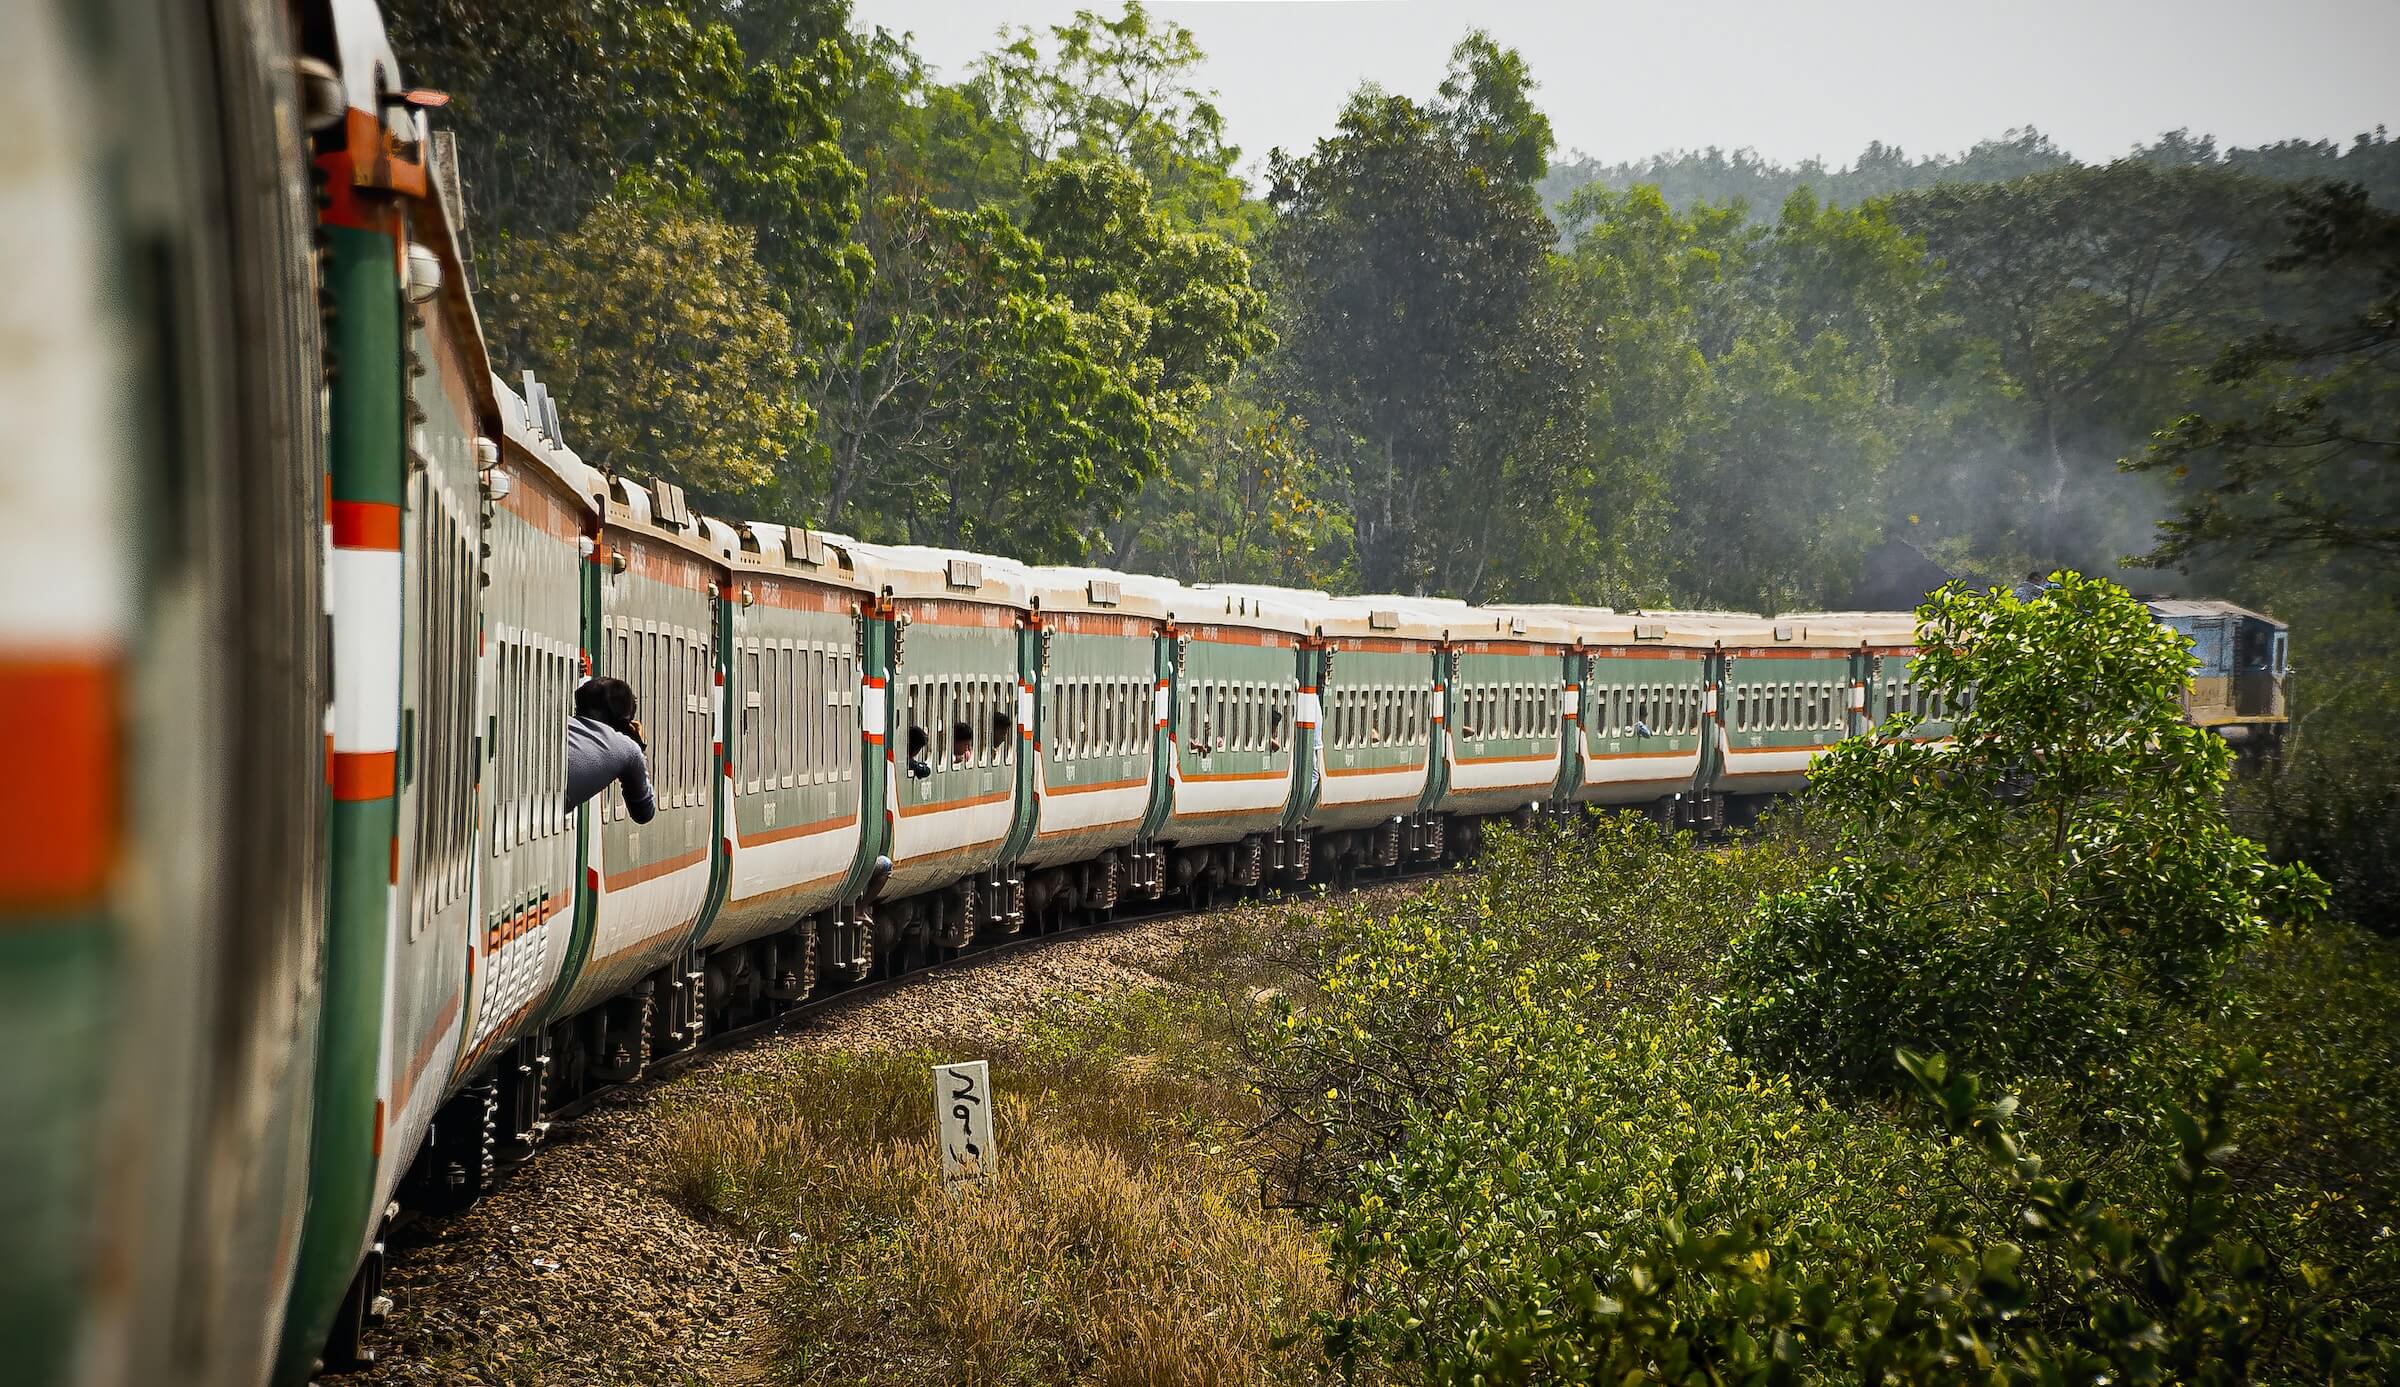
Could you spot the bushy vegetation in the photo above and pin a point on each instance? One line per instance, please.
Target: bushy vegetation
(2030, 893)
(1619, 1109)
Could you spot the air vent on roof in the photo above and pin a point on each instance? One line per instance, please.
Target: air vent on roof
(965, 573)
(667, 505)
(1516, 626)
(1103, 592)
(1384, 620)
(1649, 630)
(808, 547)
(1784, 630)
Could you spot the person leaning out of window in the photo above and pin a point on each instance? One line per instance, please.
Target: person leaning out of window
(604, 745)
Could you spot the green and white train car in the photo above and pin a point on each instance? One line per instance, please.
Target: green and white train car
(1241, 716)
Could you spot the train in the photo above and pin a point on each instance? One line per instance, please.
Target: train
(296, 588)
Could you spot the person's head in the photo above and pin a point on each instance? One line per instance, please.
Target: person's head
(917, 742)
(962, 739)
(608, 700)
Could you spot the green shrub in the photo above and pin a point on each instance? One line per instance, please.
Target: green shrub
(1408, 999)
(2338, 810)
(2031, 894)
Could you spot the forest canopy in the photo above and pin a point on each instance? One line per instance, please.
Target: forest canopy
(763, 249)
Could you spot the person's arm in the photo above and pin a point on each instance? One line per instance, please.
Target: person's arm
(640, 802)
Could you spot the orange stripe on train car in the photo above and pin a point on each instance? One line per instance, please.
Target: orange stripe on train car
(357, 775)
(366, 525)
(65, 714)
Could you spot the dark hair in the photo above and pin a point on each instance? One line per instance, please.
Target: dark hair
(916, 741)
(962, 732)
(608, 700)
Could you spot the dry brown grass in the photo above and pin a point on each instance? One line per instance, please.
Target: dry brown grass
(1120, 1241)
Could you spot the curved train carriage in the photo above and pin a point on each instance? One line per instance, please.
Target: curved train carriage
(291, 614)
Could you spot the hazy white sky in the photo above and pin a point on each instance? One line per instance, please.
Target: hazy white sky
(1793, 79)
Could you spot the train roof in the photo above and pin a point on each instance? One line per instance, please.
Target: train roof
(1062, 588)
(1463, 621)
(1242, 604)
(925, 573)
(1608, 626)
(657, 511)
(1360, 618)
(789, 551)
(1862, 628)
(526, 439)
(2195, 607)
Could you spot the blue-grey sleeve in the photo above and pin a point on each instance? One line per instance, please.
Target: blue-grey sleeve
(635, 778)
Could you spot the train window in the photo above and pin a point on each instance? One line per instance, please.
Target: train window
(793, 725)
(812, 725)
(970, 714)
(681, 695)
(828, 696)
(518, 743)
(754, 722)
(771, 681)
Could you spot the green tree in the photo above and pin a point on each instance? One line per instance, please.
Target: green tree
(1243, 500)
(1744, 395)
(968, 406)
(1120, 90)
(2300, 449)
(656, 328)
(2036, 890)
(2082, 297)
(1422, 338)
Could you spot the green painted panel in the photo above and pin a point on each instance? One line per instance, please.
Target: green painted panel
(363, 335)
(56, 979)
(793, 684)
(1666, 696)
(951, 675)
(1787, 703)
(350, 1038)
